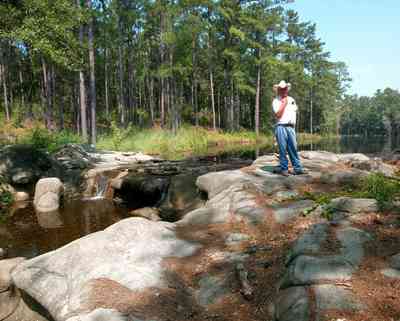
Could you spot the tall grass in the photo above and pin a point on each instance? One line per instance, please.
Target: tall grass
(188, 139)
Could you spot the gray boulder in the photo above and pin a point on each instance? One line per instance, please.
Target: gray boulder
(354, 205)
(395, 261)
(293, 304)
(353, 157)
(24, 165)
(150, 213)
(47, 194)
(320, 156)
(216, 182)
(307, 270)
(128, 255)
(286, 212)
(333, 297)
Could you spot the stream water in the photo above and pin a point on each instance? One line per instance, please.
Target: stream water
(26, 233)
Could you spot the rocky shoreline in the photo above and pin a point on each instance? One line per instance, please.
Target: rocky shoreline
(255, 251)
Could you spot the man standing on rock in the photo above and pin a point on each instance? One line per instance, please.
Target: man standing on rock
(285, 109)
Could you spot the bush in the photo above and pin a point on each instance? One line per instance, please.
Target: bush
(41, 138)
(381, 188)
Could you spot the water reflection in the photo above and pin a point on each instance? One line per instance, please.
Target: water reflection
(29, 234)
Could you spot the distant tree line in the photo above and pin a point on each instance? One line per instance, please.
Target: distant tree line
(80, 64)
(371, 116)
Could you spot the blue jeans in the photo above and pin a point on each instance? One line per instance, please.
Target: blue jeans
(286, 138)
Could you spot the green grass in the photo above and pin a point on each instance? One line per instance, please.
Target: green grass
(188, 140)
(377, 186)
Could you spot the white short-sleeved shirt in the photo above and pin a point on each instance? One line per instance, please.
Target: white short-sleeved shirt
(289, 115)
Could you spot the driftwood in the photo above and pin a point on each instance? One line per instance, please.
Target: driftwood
(246, 289)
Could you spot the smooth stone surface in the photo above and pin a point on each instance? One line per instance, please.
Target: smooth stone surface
(395, 261)
(212, 288)
(215, 182)
(283, 213)
(293, 304)
(21, 196)
(351, 157)
(3, 253)
(6, 267)
(354, 205)
(309, 243)
(203, 216)
(137, 245)
(332, 297)
(101, 314)
(47, 194)
(343, 176)
(307, 270)
(352, 240)
(320, 155)
(23, 177)
(150, 213)
(391, 273)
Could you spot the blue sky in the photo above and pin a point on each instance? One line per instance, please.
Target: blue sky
(365, 34)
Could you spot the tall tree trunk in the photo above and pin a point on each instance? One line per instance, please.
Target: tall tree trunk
(3, 81)
(92, 78)
(47, 94)
(258, 89)
(82, 91)
(21, 86)
(311, 111)
(107, 99)
(162, 79)
(121, 96)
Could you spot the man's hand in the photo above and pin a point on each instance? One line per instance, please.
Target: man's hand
(281, 110)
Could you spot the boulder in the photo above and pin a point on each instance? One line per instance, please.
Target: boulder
(12, 306)
(102, 314)
(307, 270)
(3, 253)
(47, 194)
(24, 165)
(320, 156)
(21, 196)
(353, 157)
(150, 213)
(354, 205)
(285, 212)
(6, 267)
(216, 182)
(293, 304)
(127, 256)
(349, 176)
(395, 261)
(309, 243)
(333, 297)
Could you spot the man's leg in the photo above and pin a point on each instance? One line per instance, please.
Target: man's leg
(281, 138)
(292, 150)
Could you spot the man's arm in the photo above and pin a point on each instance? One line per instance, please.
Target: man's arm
(282, 108)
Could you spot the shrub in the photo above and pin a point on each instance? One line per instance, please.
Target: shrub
(380, 187)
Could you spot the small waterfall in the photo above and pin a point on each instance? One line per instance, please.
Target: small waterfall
(100, 188)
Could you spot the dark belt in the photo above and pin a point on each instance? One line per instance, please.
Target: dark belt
(286, 125)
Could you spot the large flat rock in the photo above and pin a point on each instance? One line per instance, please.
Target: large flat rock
(128, 253)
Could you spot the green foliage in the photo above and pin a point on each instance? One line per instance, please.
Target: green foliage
(6, 199)
(381, 188)
(43, 139)
(118, 134)
(187, 141)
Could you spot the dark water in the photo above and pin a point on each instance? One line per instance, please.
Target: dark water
(25, 233)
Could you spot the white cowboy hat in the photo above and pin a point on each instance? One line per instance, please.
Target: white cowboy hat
(283, 84)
